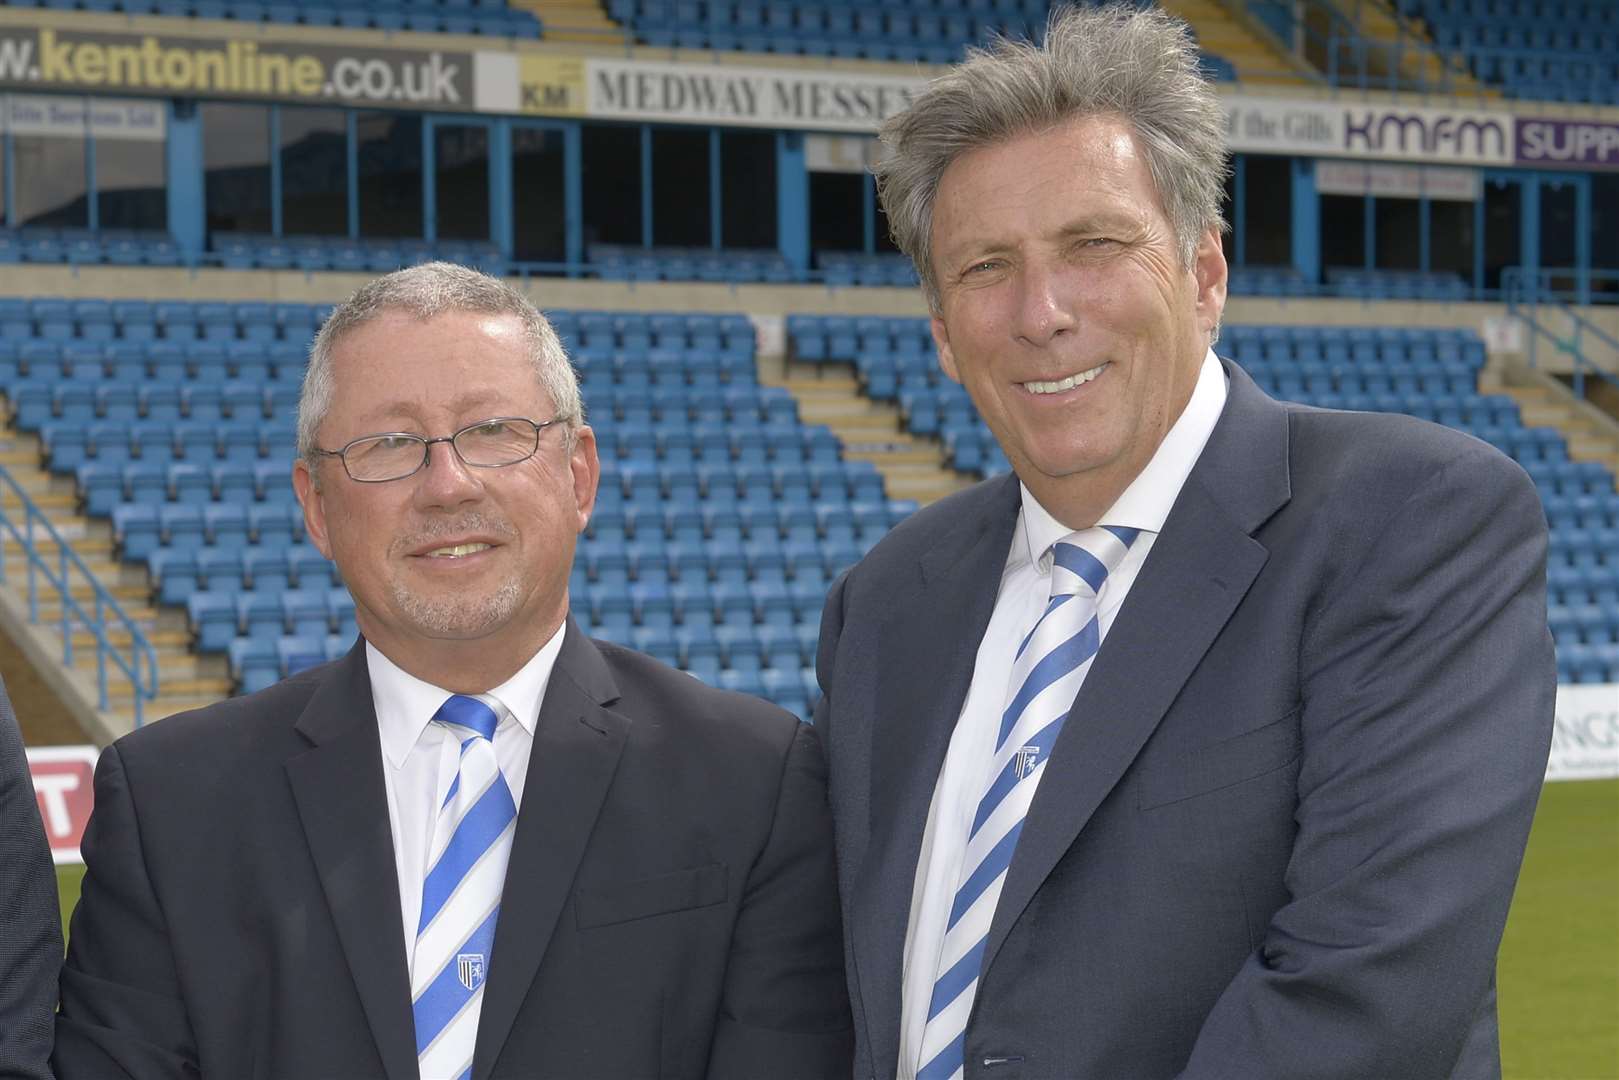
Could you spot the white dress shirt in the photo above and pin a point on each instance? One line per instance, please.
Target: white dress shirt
(1024, 590)
(420, 758)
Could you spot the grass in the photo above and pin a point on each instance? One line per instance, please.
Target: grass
(68, 880)
(1559, 965)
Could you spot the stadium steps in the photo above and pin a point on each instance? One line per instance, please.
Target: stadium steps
(1544, 402)
(45, 497)
(176, 640)
(121, 719)
(130, 597)
(869, 430)
(1257, 59)
(572, 20)
(1381, 26)
(185, 679)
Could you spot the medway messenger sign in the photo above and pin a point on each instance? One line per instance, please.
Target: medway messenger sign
(170, 65)
(1380, 132)
(709, 94)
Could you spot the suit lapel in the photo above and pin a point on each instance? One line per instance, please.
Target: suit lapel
(1198, 571)
(928, 649)
(342, 804)
(577, 744)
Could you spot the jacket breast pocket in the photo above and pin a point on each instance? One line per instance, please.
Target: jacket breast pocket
(1222, 764)
(604, 905)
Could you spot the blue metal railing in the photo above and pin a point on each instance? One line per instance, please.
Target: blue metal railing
(139, 667)
(1333, 40)
(1527, 291)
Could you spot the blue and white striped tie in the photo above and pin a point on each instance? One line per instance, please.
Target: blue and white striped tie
(472, 841)
(1046, 675)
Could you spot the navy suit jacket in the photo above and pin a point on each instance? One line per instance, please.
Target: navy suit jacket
(669, 907)
(30, 921)
(1280, 830)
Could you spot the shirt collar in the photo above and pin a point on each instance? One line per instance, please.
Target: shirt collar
(1146, 503)
(405, 704)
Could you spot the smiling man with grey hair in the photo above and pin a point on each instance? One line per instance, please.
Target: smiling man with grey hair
(480, 844)
(1207, 743)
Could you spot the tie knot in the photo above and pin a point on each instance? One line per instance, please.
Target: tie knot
(470, 713)
(1081, 561)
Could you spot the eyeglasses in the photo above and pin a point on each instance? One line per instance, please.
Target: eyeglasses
(394, 455)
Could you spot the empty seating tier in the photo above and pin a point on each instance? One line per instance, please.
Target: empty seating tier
(1432, 374)
(1544, 50)
(934, 31)
(488, 17)
(720, 521)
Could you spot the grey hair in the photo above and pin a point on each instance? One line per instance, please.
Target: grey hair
(423, 292)
(1106, 61)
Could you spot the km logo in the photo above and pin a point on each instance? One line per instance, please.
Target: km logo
(543, 96)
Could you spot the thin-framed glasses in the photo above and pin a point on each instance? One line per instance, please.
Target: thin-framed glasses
(394, 455)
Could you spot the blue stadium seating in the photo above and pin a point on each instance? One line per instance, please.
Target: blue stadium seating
(1546, 50)
(920, 31)
(237, 251)
(1428, 373)
(719, 507)
(490, 17)
(1351, 282)
(722, 516)
(847, 268)
(616, 262)
(244, 251)
(119, 247)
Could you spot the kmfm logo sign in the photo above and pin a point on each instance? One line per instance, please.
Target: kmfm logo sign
(64, 787)
(551, 85)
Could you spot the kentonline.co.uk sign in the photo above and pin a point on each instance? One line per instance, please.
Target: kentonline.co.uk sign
(173, 66)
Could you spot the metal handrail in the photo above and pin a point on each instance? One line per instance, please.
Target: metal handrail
(106, 605)
(1344, 36)
(1525, 291)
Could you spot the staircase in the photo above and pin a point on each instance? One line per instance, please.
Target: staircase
(1402, 46)
(1257, 58)
(1545, 402)
(573, 20)
(185, 679)
(912, 467)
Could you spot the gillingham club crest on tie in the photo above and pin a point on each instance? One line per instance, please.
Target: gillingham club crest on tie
(469, 968)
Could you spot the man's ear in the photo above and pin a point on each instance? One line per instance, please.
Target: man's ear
(941, 342)
(311, 499)
(586, 468)
(1211, 274)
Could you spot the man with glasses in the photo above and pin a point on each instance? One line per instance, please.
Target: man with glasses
(480, 844)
